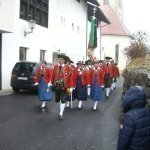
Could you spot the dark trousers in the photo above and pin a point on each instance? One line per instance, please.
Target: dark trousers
(60, 95)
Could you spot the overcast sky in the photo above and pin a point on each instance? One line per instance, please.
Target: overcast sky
(137, 15)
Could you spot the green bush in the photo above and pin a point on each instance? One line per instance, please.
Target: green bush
(148, 103)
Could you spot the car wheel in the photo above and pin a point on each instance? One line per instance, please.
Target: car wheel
(16, 89)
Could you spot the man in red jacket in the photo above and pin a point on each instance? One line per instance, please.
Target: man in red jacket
(116, 75)
(108, 75)
(60, 81)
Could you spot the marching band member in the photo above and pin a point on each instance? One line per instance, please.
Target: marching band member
(107, 77)
(60, 81)
(112, 67)
(96, 83)
(70, 91)
(88, 66)
(43, 80)
(116, 74)
(82, 80)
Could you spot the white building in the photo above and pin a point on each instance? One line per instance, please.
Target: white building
(115, 36)
(61, 25)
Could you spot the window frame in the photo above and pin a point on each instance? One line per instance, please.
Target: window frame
(42, 55)
(22, 53)
(36, 10)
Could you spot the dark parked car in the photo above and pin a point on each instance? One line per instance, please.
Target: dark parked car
(22, 76)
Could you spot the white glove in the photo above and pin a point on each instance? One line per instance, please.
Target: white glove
(102, 86)
(121, 126)
(71, 89)
(88, 85)
(47, 90)
(88, 90)
(36, 83)
(49, 84)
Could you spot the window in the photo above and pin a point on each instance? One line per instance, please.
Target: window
(22, 53)
(63, 21)
(78, 29)
(36, 10)
(116, 53)
(119, 4)
(106, 2)
(42, 55)
(72, 26)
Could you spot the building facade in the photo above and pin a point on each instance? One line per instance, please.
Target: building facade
(61, 27)
(115, 36)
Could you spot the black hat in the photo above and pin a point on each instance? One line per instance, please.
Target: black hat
(95, 62)
(70, 61)
(108, 58)
(101, 61)
(88, 62)
(79, 63)
(43, 61)
(66, 58)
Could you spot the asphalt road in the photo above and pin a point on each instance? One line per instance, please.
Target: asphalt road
(23, 126)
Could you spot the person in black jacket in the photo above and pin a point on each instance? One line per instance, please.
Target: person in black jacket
(135, 131)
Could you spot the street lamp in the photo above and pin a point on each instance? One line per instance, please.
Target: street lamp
(31, 26)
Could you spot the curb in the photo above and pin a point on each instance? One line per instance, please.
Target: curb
(6, 92)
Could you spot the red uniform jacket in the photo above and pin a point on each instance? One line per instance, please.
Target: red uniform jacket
(108, 69)
(100, 76)
(71, 77)
(84, 75)
(65, 75)
(47, 75)
(116, 71)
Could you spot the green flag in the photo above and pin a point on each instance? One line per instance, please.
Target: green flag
(93, 33)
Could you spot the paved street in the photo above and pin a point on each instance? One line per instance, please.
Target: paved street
(23, 126)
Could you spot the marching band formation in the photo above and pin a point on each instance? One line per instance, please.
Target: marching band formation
(70, 82)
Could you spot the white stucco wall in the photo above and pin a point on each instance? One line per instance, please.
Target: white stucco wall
(55, 37)
(73, 43)
(7, 8)
(108, 48)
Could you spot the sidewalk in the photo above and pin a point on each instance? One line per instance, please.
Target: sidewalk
(6, 92)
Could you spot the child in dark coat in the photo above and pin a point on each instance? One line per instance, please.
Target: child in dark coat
(135, 131)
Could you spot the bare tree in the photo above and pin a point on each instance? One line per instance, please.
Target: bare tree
(137, 47)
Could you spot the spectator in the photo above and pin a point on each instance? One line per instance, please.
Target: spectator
(135, 130)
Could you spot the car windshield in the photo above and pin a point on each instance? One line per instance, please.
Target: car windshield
(24, 67)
